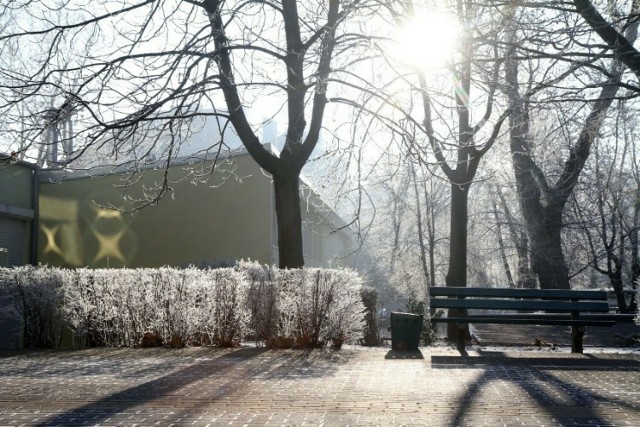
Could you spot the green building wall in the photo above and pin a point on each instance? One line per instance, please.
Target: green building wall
(227, 217)
(18, 213)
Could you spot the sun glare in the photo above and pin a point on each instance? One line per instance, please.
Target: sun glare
(427, 41)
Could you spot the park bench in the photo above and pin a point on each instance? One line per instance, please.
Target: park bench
(577, 309)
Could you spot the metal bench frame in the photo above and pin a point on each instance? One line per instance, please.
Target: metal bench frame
(577, 309)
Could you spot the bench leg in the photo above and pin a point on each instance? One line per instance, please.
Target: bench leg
(461, 337)
(577, 332)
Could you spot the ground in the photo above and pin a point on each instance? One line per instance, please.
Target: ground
(354, 386)
(622, 335)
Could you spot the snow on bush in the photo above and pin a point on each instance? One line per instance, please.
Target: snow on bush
(262, 301)
(309, 307)
(117, 307)
(229, 309)
(322, 306)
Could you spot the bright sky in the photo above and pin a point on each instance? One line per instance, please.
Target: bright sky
(427, 41)
(424, 42)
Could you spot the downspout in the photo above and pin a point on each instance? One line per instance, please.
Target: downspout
(272, 224)
(35, 222)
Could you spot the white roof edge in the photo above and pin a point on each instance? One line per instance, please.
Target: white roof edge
(60, 174)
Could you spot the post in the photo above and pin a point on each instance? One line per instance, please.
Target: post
(577, 332)
(461, 338)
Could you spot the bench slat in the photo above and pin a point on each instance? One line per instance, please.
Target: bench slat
(445, 291)
(557, 316)
(501, 304)
(525, 321)
(571, 303)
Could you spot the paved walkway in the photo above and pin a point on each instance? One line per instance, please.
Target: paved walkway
(620, 335)
(354, 386)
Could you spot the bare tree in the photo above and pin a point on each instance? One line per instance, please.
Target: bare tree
(138, 74)
(518, 238)
(501, 245)
(424, 112)
(607, 208)
(543, 202)
(613, 33)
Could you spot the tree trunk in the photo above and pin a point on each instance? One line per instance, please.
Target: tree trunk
(526, 278)
(501, 246)
(431, 233)
(287, 191)
(635, 246)
(457, 273)
(615, 277)
(545, 229)
(421, 243)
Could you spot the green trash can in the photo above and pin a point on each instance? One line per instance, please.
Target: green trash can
(406, 329)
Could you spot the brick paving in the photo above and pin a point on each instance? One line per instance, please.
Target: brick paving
(353, 386)
(595, 337)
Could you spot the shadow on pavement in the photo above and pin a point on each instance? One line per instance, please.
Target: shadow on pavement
(244, 363)
(555, 362)
(564, 401)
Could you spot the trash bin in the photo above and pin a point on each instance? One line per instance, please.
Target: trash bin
(406, 329)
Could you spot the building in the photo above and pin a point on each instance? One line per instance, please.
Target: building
(18, 211)
(210, 215)
(80, 219)
(207, 218)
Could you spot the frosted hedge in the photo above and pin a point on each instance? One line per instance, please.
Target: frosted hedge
(308, 307)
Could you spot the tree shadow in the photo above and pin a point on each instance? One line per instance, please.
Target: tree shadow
(184, 386)
(534, 375)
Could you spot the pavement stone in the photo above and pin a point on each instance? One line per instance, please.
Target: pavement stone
(595, 337)
(354, 386)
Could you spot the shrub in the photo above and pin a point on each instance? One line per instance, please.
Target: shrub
(118, 307)
(308, 307)
(262, 301)
(415, 306)
(229, 314)
(370, 301)
(36, 292)
(322, 306)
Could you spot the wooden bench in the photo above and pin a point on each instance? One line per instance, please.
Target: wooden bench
(577, 309)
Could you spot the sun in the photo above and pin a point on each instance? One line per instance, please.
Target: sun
(427, 41)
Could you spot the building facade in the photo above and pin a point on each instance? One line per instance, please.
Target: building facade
(208, 217)
(18, 212)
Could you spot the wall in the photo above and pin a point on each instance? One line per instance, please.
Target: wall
(323, 244)
(226, 217)
(18, 184)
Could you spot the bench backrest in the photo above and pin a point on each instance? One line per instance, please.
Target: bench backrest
(551, 300)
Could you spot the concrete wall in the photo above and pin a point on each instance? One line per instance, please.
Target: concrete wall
(226, 217)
